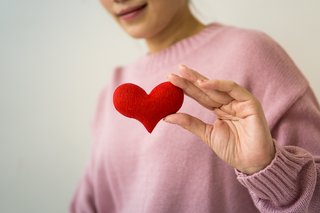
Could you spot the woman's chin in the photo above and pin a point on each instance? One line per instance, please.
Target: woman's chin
(138, 32)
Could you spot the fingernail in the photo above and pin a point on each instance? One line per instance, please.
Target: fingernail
(165, 119)
(182, 66)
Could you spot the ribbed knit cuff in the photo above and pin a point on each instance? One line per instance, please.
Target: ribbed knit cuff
(279, 181)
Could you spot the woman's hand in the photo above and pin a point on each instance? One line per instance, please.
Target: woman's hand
(240, 135)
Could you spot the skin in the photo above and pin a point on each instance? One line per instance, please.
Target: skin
(240, 134)
(162, 24)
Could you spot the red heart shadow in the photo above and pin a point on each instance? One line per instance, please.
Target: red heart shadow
(133, 102)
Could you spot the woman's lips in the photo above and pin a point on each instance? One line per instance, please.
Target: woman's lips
(131, 13)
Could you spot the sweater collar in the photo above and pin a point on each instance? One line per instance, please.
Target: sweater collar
(175, 52)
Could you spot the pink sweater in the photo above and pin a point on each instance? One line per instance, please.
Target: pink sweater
(171, 170)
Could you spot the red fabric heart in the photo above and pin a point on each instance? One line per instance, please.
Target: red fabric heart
(133, 102)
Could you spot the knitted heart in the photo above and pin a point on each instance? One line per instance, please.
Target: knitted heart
(133, 102)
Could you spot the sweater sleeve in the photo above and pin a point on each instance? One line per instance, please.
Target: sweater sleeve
(291, 183)
(87, 198)
(83, 200)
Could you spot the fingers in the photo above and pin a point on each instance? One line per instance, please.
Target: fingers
(231, 88)
(189, 82)
(220, 97)
(211, 94)
(193, 91)
(195, 78)
(220, 91)
(190, 74)
(192, 124)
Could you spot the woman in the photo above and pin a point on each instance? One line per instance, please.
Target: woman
(250, 105)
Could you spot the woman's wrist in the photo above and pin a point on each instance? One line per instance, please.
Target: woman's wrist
(267, 160)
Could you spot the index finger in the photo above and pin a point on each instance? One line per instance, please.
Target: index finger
(191, 75)
(236, 91)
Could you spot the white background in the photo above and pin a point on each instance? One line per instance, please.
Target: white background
(55, 56)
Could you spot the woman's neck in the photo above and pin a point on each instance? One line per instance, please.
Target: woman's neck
(186, 26)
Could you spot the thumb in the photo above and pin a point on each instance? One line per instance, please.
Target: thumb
(190, 123)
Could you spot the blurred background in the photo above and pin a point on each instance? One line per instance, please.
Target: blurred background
(55, 57)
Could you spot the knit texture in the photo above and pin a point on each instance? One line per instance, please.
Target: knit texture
(133, 102)
(171, 170)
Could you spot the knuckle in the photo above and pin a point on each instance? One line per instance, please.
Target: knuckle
(183, 84)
